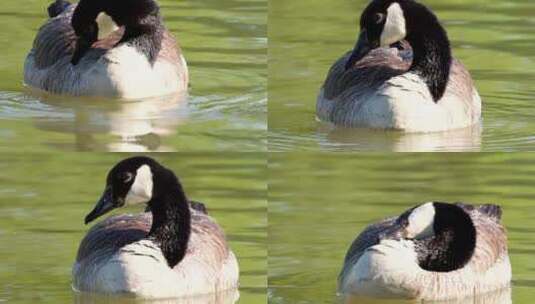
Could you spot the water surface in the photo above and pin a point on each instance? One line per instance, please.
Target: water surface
(319, 203)
(44, 198)
(224, 43)
(493, 38)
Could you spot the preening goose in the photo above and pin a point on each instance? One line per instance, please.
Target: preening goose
(400, 75)
(435, 251)
(111, 48)
(173, 250)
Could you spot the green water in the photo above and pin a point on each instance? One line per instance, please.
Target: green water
(493, 38)
(318, 203)
(44, 198)
(225, 46)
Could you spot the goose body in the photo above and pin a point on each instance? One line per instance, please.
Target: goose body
(155, 256)
(435, 251)
(117, 60)
(401, 75)
(136, 265)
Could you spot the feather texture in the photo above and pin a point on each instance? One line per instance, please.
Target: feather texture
(116, 257)
(109, 68)
(389, 268)
(380, 92)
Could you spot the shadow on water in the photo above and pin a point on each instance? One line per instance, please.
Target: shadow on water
(227, 297)
(467, 139)
(499, 297)
(137, 125)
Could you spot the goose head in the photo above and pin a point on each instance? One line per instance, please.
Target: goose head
(386, 22)
(130, 182)
(443, 234)
(134, 15)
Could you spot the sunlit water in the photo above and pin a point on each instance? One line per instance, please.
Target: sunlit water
(225, 45)
(319, 203)
(45, 197)
(493, 38)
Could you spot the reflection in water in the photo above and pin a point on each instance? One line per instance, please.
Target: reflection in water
(136, 126)
(502, 296)
(467, 139)
(227, 297)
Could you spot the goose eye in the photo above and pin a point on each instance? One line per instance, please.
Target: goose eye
(126, 177)
(379, 18)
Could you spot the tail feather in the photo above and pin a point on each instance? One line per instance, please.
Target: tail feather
(58, 7)
(198, 206)
(492, 211)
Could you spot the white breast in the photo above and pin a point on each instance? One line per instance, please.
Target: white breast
(390, 269)
(141, 269)
(402, 103)
(122, 73)
(125, 72)
(381, 272)
(414, 110)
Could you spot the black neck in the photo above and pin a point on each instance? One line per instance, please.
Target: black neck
(431, 47)
(146, 36)
(454, 242)
(171, 219)
(83, 18)
(143, 25)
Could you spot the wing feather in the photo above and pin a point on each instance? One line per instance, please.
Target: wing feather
(491, 240)
(207, 243)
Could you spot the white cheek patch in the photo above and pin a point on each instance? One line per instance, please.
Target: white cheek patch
(106, 25)
(421, 222)
(394, 29)
(141, 190)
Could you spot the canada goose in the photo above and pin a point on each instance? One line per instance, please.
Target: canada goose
(435, 251)
(81, 51)
(400, 75)
(138, 126)
(173, 250)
